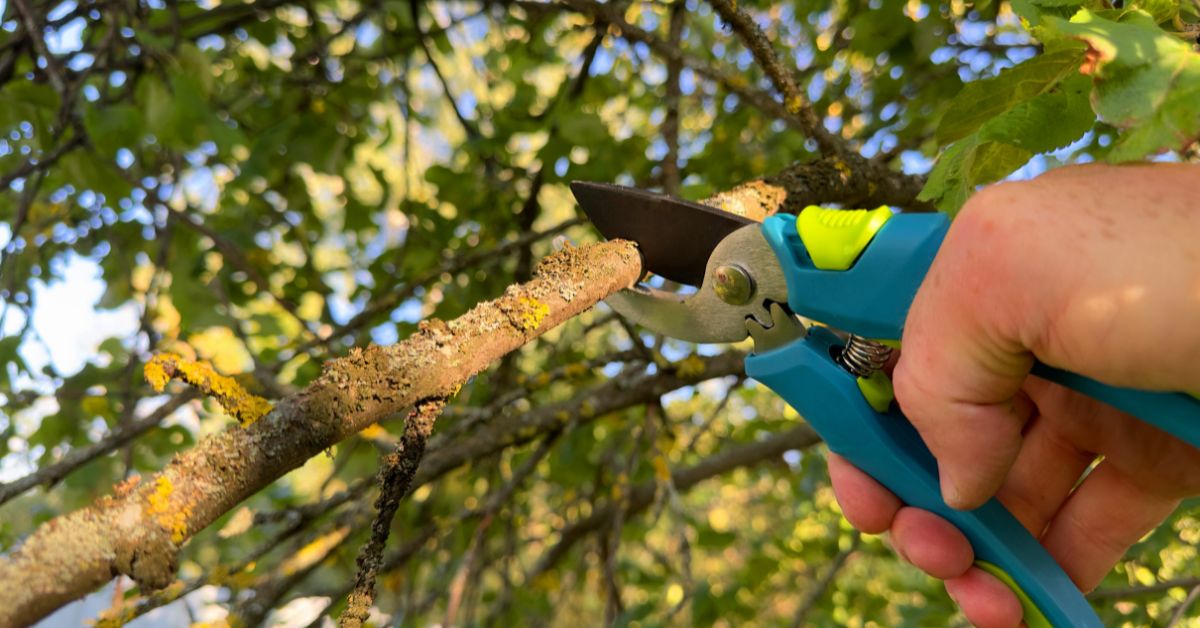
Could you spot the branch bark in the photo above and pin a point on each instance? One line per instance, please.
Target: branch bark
(395, 477)
(850, 181)
(764, 54)
(137, 531)
(841, 176)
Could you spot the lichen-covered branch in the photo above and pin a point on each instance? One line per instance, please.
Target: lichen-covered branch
(850, 181)
(395, 477)
(453, 449)
(781, 77)
(236, 400)
(125, 533)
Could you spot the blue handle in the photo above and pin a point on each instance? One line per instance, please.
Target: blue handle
(887, 448)
(872, 297)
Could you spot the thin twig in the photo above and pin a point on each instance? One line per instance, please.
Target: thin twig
(764, 53)
(1151, 589)
(50, 474)
(1182, 609)
(395, 477)
(34, 30)
(670, 125)
(468, 126)
(817, 592)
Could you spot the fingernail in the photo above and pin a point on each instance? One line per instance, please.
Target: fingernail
(951, 493)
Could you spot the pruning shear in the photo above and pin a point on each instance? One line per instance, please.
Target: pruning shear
(855, 271)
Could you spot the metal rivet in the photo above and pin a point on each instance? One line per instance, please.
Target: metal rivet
(733, 284)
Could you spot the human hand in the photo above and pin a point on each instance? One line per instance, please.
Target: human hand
(1093, 269)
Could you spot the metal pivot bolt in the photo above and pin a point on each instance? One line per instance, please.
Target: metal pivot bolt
(733, 284)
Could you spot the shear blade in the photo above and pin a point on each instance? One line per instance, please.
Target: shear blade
(703, 316)
(675, 236)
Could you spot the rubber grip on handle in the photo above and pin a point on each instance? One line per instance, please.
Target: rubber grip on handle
(888, 448)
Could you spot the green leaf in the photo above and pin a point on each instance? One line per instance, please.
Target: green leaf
(1161, 10)
(966, 164)
(980, 101)
(115, 127)
(1041, 108)
(86, 172)
(878, 30)
(157, 108)
(194, 64)
(36, 103)
(1048, 122)
(992, 161)
(1146, 80)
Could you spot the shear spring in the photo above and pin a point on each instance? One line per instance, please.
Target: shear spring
(863, 357)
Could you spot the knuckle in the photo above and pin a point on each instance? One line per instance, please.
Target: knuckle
(913, 394)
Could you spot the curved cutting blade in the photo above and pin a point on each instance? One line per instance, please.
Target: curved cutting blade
(675, 236)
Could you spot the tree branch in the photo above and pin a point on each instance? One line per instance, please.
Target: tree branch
(50, 474)
(818, 590)
(138, 530)
(670, 127)
(395, 478)
(781, 77)
(842, 176)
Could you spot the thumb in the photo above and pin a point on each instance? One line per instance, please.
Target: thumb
(960, 372)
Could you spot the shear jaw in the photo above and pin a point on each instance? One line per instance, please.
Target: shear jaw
(743, 293)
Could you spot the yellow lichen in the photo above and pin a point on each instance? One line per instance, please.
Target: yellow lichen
(374, 431)
(843, 168)
(690, 367)
(116, 617)
(156, 374)
(160, 499)
(532, 313)
(174, 522)
(794, 104)
(575, 370)
(236, 400)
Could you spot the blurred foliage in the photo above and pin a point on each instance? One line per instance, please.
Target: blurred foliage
(265, 185)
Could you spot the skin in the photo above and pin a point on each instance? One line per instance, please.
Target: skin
(1094, 269)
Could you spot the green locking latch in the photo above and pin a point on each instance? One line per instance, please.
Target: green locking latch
(836, 237)
(1034, 617)
(877, 390)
